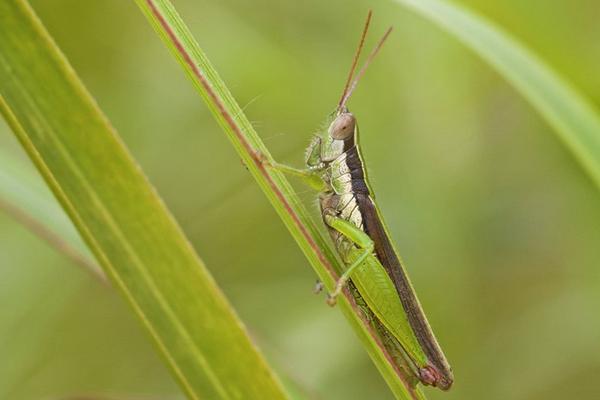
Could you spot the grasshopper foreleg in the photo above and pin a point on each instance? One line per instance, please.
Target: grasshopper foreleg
(318, 288)
(310, 176)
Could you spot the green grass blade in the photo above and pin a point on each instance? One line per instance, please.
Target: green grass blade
(572, 116)
(121, 218)
(29, 202)
(247, 143)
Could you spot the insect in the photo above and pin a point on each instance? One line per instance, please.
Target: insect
(336, 169)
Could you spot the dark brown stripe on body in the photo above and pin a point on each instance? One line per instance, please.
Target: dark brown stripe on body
(355, 165)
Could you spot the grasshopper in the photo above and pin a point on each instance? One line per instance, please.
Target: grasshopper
(335, 167)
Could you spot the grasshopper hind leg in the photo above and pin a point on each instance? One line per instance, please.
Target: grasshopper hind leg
(358, 238)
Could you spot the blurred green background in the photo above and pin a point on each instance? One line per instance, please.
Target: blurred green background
(497, 223)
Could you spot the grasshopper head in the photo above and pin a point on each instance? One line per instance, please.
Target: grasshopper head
(343, 126)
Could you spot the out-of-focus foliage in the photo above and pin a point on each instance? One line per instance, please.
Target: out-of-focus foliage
(497, 222)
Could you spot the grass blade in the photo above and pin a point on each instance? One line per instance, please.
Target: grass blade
(247, 143)
(29, 203)
(122, 219)
(572, 116)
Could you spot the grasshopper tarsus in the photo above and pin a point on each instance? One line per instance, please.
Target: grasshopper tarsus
(318, 288)
(260, 158)
(331, 300)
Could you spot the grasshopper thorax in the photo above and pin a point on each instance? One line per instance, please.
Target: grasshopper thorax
(331, 142)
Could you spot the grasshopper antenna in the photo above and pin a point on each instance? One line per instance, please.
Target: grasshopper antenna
(350, 89)
(356, 56)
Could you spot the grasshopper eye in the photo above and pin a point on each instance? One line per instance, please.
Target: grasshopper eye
(342, 127)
